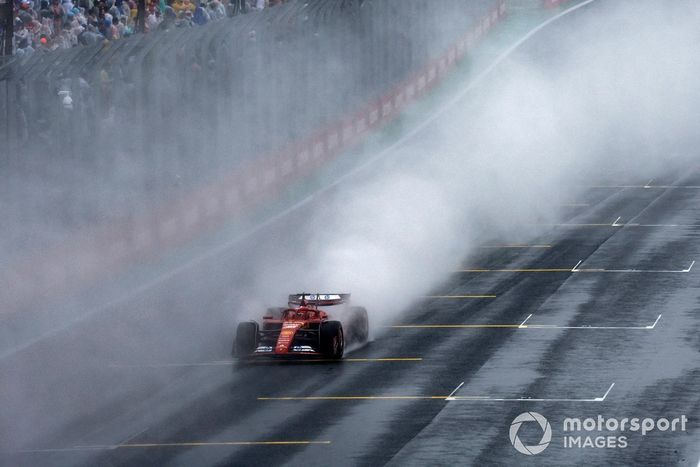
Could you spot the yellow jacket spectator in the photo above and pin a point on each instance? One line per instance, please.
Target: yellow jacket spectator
(183, 5)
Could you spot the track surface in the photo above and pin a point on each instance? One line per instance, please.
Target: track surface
(598, 315)
(654, 370)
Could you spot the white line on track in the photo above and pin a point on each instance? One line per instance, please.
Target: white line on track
(523, 323)
(664, 225)
(530, 399)
(648, 185)
(655, 322)
(615, 224)
(619, 225)
(663, 187)
(554, 326)
(131, 437)
(451, 396)
(637, 271)
(214, 252)
(607, 392)
(587, 270)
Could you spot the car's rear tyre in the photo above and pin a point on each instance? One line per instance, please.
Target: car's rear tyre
(246, 339)
(332, 339)
(358, 328)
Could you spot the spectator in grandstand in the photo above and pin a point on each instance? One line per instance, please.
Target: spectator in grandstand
(184, 19)
(53, 24)
(201, 15)
(153, 18)
(24, 47)
(67, 6)
(26, 13)
(93, 17)
(22, 34)
(183, 5)
(169, 18)
(90, 36)
(114, 12)
(108, 30)
(121, 7)
(237, 7)
(117, 28)
(57, 15)
(216, 10)
(44, 10)
(44, 28)
(73, 23)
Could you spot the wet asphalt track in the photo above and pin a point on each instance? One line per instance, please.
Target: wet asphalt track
(598, 315)
(585, 330)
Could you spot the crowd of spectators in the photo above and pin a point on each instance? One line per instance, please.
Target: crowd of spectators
(61, 24)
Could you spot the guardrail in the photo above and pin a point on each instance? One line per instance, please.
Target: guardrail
(244, 185)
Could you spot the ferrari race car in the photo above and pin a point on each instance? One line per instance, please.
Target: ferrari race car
(304, 329)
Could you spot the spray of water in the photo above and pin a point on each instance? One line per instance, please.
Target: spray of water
(607, 95)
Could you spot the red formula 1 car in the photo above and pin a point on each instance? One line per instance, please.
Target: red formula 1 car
(304, 329)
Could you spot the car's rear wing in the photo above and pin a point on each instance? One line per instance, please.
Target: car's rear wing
(319, 299)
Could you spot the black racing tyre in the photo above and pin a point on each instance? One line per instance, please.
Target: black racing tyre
(359, 324)
(332, 339)
(246, 339)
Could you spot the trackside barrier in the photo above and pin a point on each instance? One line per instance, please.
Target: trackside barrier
(109, 248)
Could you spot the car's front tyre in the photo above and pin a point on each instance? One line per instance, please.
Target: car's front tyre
(332, 339)
(246, 339)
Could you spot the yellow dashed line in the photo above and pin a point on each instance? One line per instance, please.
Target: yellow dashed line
(579, 225)
(459, 296)
(222, 443)
(349, 398)
(293, 360)
(349, 360)
(110, 447)
(516, 270)
(456, 326)
(516, 246)
(389, 359)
